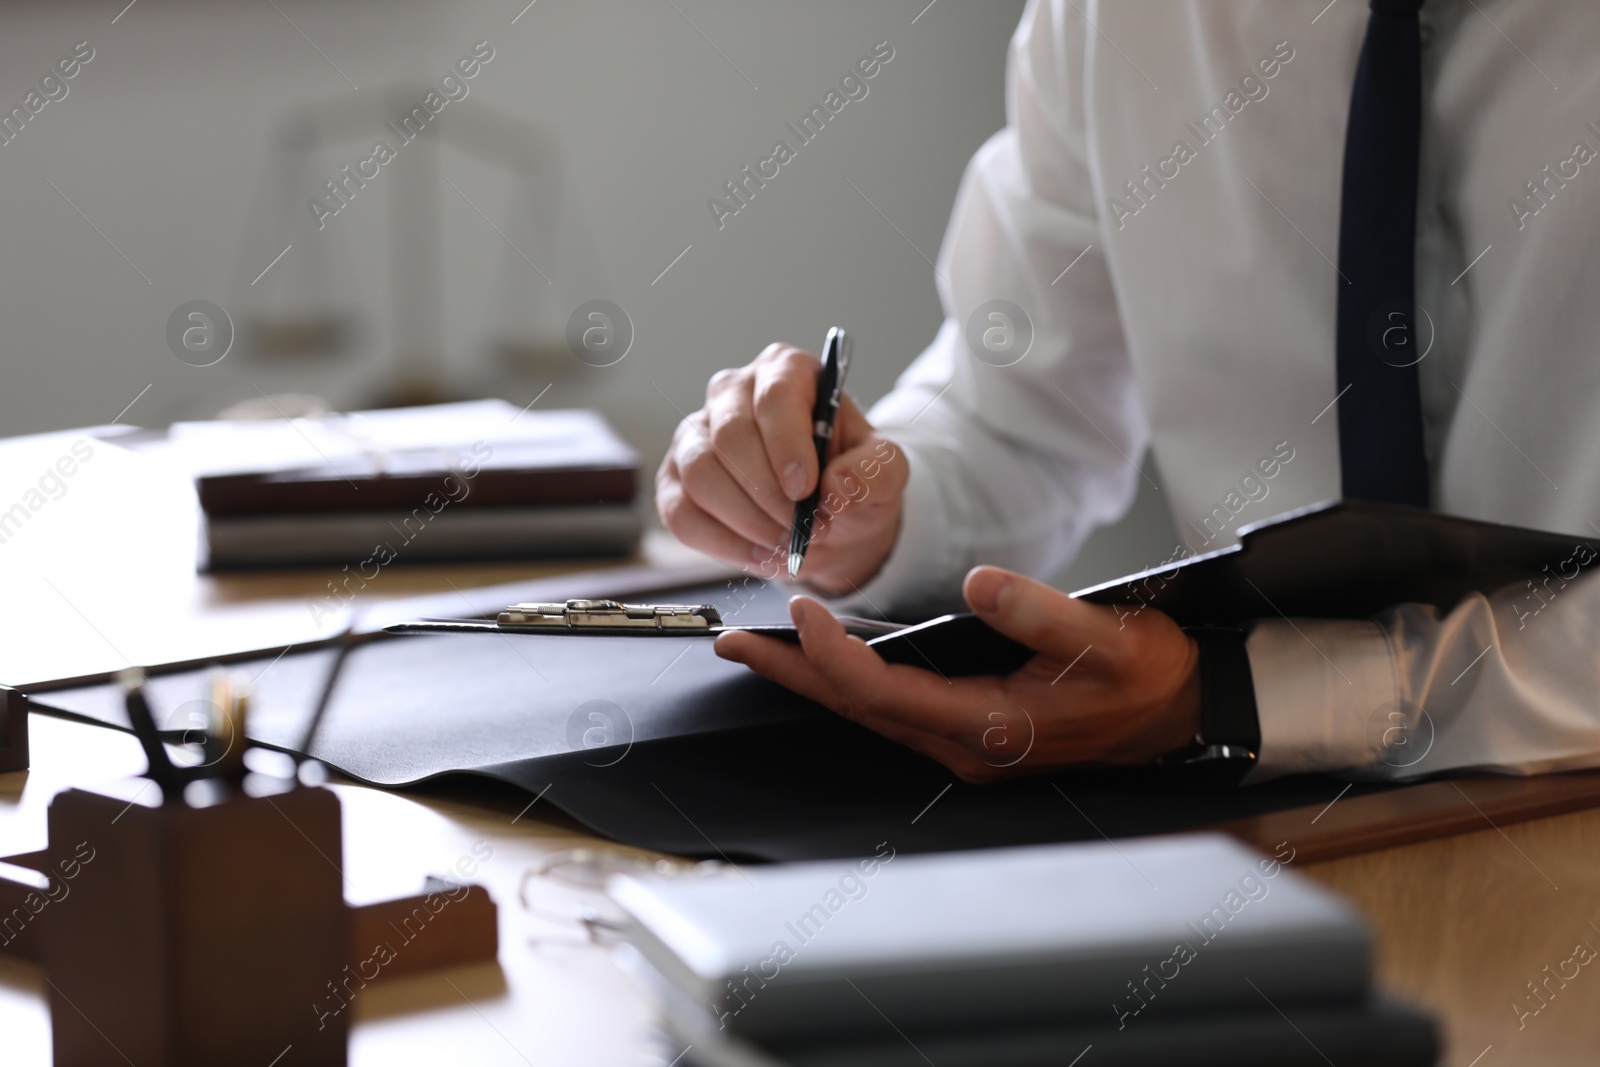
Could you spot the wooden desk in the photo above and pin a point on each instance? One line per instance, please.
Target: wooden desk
(1463, 922)
(105, 574)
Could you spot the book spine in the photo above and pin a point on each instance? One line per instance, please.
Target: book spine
(278, 495)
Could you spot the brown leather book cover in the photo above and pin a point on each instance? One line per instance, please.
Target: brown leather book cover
(469, 455)
(316, 490)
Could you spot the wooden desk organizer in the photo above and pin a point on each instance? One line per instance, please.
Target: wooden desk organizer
(213, 929)
(13, 730)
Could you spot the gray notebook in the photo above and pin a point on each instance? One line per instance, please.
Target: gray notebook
(1021, 936)
(1378, 1033)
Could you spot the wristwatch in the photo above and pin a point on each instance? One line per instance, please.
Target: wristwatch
(1226, 748)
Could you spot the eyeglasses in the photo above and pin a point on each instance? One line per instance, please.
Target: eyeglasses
(581, 874)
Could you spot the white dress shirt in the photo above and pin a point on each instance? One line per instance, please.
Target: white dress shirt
(1163, 208)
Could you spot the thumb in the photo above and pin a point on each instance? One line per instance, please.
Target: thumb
(1045, 619)
(851, 427)
(872, 469)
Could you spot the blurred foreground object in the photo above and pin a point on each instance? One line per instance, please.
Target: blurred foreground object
(197, 915)
(13, 730)
(1016, 956)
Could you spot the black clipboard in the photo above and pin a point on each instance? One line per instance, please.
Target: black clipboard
(1344, 560)
(1331, 560)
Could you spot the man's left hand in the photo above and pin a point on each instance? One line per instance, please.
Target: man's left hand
(1102, 689)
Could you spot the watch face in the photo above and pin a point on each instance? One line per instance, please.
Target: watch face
(1219, 765)
(1202, 753)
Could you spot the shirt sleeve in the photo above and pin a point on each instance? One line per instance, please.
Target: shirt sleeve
(1508, 683)
(1021, 422)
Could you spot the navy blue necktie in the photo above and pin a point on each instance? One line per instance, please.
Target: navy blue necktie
(1380, 416)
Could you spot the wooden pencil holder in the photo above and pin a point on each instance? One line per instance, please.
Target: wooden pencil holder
(13, 730)
(197, 932)
(213, 929)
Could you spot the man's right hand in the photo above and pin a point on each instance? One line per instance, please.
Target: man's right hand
(736, 468)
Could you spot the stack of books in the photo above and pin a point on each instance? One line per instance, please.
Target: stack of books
(1191, 949)
(445, 482)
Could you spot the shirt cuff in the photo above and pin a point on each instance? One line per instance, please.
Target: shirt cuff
(1321, 685)
(917, 568)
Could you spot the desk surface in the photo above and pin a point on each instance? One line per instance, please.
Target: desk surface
(1462, 923)
(106, 573)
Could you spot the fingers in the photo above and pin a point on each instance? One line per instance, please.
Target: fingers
(719, 493)
(780, 662)
(738, 465)
(873, 691)
(1045, 619)
(783, 397)
(916, 708)
(694, 527)
(736, 442)
(846, 662)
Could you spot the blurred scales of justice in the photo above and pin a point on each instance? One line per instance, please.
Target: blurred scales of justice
(313, 311)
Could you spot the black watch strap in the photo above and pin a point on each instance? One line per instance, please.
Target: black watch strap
(1230, 725)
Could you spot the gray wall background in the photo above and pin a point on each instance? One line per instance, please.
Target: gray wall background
(163, 177)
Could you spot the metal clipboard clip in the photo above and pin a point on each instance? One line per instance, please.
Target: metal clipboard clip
(610, 615)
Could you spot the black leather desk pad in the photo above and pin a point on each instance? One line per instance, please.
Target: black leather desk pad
(690, 754)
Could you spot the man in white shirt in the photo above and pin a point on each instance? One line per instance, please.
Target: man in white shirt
(1149, 255)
